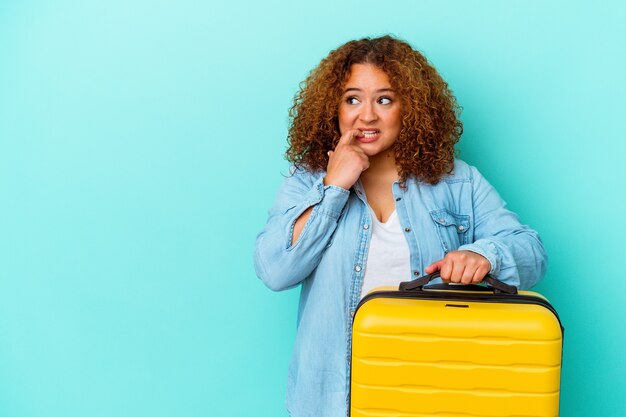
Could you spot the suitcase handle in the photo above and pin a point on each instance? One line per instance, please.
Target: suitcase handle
(498, 287)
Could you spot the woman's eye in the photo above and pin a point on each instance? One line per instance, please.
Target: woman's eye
(384, 100)
(352, 100)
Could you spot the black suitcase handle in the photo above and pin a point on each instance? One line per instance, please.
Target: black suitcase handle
(498, 287)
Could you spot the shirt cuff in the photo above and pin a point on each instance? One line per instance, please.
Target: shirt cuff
(486, 249)
(328, 199)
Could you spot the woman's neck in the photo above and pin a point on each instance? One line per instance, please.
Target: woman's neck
(382, 168)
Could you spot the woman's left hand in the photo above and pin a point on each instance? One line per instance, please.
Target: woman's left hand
(461, 266)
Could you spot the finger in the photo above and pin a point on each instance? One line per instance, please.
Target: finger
(366, 163)
(480, 274)
(446, 270)
(348, 137)
(457, 272)
(468, 274)
(434, 267)
(356, 150)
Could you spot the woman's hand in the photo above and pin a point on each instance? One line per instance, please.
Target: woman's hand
(461, 266)
(346, 162)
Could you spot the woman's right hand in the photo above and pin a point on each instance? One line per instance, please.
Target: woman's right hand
(346, 162)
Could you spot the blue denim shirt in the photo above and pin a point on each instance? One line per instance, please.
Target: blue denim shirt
(462, 212)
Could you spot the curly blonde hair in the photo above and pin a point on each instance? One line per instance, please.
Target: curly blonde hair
(430, 124)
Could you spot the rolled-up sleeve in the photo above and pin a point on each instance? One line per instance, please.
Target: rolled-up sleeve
(278, 263)
(515, 251)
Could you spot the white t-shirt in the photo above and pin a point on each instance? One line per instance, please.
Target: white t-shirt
(388, 259)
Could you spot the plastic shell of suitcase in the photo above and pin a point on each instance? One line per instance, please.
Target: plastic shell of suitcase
(455, 351)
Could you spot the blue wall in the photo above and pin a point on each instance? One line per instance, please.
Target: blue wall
(141, 145)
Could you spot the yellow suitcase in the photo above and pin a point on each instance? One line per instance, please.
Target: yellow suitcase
(455, 351)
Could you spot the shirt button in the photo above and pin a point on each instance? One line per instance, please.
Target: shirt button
(407, 230)
(366, 226)
(357, 268)
(442, 221)
(398, 199)
(461, 228)
(416, 273)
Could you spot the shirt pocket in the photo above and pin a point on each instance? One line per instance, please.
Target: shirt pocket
(452, 228)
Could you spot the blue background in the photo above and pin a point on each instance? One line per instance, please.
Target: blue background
(141, 145)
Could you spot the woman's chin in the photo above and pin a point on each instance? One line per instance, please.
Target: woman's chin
(373, 149)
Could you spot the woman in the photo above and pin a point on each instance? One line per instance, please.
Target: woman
(376, 197)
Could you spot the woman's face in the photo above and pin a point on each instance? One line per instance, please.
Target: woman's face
(370, 105)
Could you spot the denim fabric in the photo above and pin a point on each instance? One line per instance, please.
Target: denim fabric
(461, 212)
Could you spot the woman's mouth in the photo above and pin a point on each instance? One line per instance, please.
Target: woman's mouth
(367, 136)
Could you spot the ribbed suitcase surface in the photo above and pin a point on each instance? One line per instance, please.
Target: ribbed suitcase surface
(455, 357)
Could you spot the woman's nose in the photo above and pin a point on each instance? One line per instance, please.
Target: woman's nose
(368, 113)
